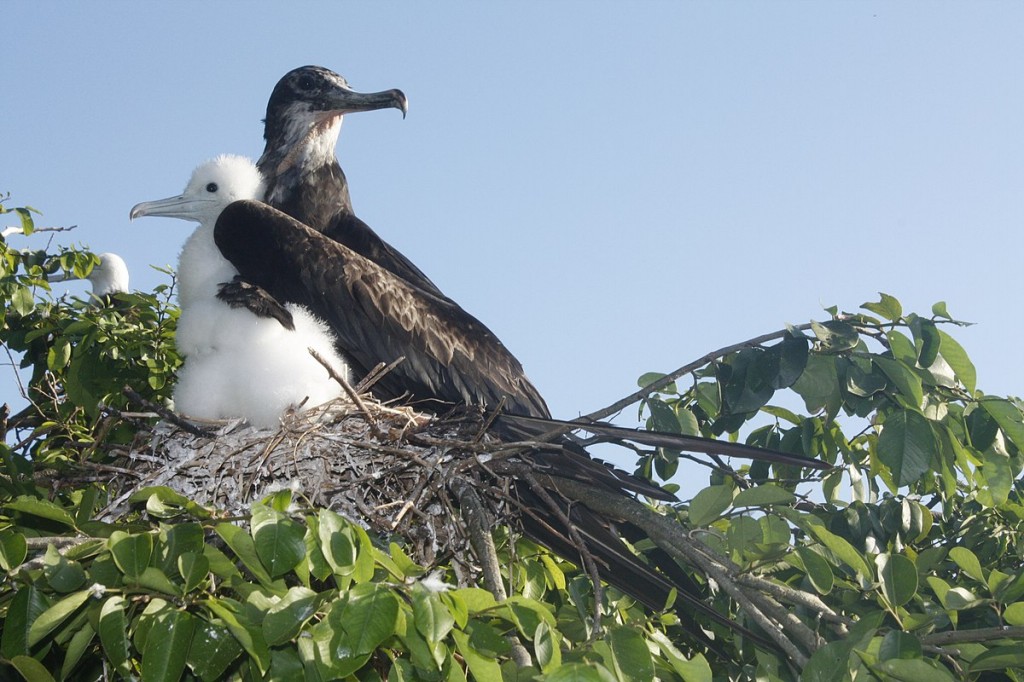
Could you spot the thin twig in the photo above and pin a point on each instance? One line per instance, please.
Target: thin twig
(378, 373)
(351, 393)
(164, 413)
(486, 426)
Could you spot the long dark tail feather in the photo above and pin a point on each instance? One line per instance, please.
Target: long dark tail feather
(673, 441)
(624, 570)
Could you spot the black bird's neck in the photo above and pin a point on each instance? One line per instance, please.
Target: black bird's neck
(314, 196)
(301, 170)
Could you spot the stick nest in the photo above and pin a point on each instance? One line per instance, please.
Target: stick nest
(390, 470)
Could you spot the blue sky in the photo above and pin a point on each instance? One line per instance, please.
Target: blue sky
(612, 188)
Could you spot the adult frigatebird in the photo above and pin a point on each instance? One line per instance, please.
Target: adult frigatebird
(382, 307)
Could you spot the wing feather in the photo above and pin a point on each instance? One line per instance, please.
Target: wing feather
(378, 316)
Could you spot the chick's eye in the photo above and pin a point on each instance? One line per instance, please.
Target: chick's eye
(306, 82)
(212, 187)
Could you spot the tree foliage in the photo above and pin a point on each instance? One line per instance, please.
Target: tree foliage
(902, 562)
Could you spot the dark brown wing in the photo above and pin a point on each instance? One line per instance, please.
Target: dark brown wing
(450, 356)
(321, 201)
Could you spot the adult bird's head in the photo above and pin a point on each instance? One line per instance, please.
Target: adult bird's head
(213, 186)
(304, 116)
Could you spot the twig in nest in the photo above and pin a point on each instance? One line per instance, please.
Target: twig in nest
(353, 396)
(485, 427)
(164, 413)
(377, 373)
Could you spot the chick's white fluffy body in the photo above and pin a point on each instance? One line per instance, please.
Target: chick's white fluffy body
(237, 364)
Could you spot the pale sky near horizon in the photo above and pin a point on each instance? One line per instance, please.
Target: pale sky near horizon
(612, 188)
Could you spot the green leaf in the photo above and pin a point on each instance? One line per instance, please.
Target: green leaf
(763, 495)
(888, 307)
(24, 610)
(483, 668)
(336, 542)
(193, 569)
(154, 579)
(967, 562)
(914, 670)
(13, 550)
(789, 357)
(284, 620)
(863, 380)
(818, 571)
(113, 630)
(649, 378)
(997, 477)
(368, 616)
(908, 383)
(212, 650)
(546, 647)
(1008, 417)
(832, 661)
(245, 549)
(819, 384)
(76, 648)
(906, 445)
(835, 335)
(897, 577)
(745, 534)
(58, 355)
(663, 417)
(926, 340)
(999, 658)
(694, 669)
(709, 504)
(840, 547)
(22, 301)
(576, 672)
(62, 575)
(280, 541)
(247, 634)
(53, 617)
(42, 508)
(898, 644)
(131, 553)
(630, 654)
(1014, 613)
(179, 539)
(747, 387)
(477, 600)
(432, 618)
(31, 669)
(163, 659)
(957, 358)
(960, 598)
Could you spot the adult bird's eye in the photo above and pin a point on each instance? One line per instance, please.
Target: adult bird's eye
(212, 187)
(306, 82)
